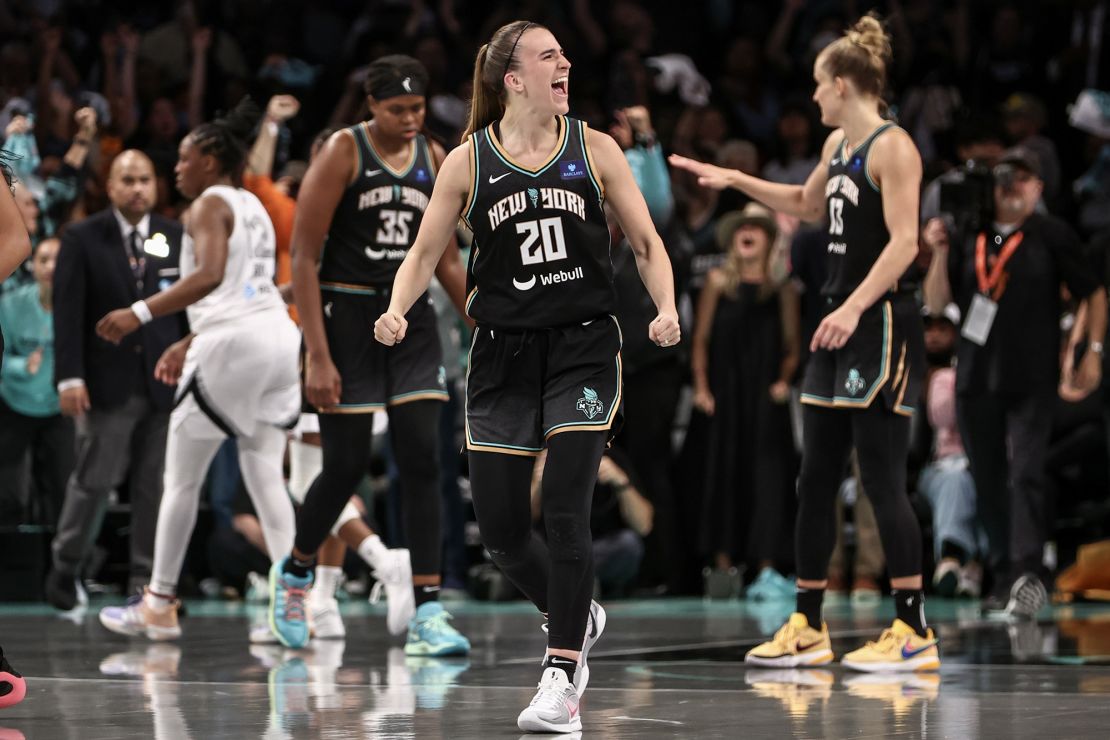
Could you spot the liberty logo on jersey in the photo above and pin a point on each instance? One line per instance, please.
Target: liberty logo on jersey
(573, 170)
(590, 404)
(855, 382)
(534, 196)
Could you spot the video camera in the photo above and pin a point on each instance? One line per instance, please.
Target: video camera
(968, 199)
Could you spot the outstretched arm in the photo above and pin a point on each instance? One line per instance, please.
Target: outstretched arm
(807, 201)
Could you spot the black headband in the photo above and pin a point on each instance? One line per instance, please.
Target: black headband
(509, 60)
(394, 86)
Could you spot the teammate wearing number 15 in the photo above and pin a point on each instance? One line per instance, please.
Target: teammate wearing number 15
(544, 364)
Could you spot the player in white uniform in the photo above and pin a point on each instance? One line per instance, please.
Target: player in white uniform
(236, 372)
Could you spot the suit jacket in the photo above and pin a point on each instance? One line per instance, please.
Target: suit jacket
(92, 277)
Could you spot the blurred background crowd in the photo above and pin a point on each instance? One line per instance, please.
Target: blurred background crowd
(697, 495)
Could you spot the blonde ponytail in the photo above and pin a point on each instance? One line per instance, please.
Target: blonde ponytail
(494, 61)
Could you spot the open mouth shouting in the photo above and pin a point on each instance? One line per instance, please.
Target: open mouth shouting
(559, 87)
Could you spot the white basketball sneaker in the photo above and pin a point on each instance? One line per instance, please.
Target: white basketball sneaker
(327, 624)
(554, 708)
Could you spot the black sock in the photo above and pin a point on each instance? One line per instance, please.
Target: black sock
(568, 665)
(910, 608)
(809, 604)
(424, 594)
(297, 567)
(950, 549)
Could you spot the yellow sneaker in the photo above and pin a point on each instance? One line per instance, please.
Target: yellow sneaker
(899, 648)
(795, 644)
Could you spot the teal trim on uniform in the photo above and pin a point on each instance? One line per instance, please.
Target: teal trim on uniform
(475, 443)
(384, 164)
(429, 391)
(906, 409)
(589, 169)
(554, 160)
(613, 404)
(358, 406)
(820, 399)
(878, 383)
(350, 291)
(867, 156)
(474, 183)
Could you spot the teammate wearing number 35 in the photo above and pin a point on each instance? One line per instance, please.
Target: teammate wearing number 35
(545, 366)
(868, 352)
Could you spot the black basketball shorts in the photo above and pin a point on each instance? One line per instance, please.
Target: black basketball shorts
(884, 359)
(523, 386)
(373, 375)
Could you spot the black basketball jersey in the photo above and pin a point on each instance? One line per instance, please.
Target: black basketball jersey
(540, 256)
(378, 216)
(857, 229)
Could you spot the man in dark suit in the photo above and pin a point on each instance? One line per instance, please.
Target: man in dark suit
(112, 260)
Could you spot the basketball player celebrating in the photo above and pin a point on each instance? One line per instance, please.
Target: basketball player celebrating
(869, 356)
(545, 359)
(15, 246)
(365, 194)
(236, 373)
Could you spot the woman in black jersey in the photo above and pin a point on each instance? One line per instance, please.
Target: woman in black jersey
(15, 247)
(358, 212)
(545, 358)
(868, 351)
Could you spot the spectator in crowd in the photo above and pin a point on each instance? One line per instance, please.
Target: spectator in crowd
(31, 424)
(795, 150)
(109, 261)
(946, 481)
(1023, 116)
(45, 198)
(619, 521)
(976, 142)
(1006, 280)
(745, 353)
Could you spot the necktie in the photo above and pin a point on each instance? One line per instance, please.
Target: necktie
(135, 257)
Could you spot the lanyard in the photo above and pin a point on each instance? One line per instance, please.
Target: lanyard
(993, 285)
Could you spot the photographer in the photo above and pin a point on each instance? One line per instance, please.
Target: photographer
(1005, 269)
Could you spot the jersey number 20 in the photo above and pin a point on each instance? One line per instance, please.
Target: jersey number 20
(548, 231)
(395, 227)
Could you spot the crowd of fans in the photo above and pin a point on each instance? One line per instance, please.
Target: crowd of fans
(702, 474)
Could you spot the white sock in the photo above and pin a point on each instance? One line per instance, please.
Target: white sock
(372, 550)
(157, 601)
(327, 581)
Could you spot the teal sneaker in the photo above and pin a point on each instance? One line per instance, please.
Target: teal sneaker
(431, 635)
(287, 606)
(770, 585)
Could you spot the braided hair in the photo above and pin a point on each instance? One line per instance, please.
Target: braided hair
(228, 137)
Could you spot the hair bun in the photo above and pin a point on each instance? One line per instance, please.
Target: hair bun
(868, 32)
(241, 121)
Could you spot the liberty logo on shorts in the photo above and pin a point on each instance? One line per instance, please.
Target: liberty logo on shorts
(855, 382)
(441, 377)
(589, 404)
